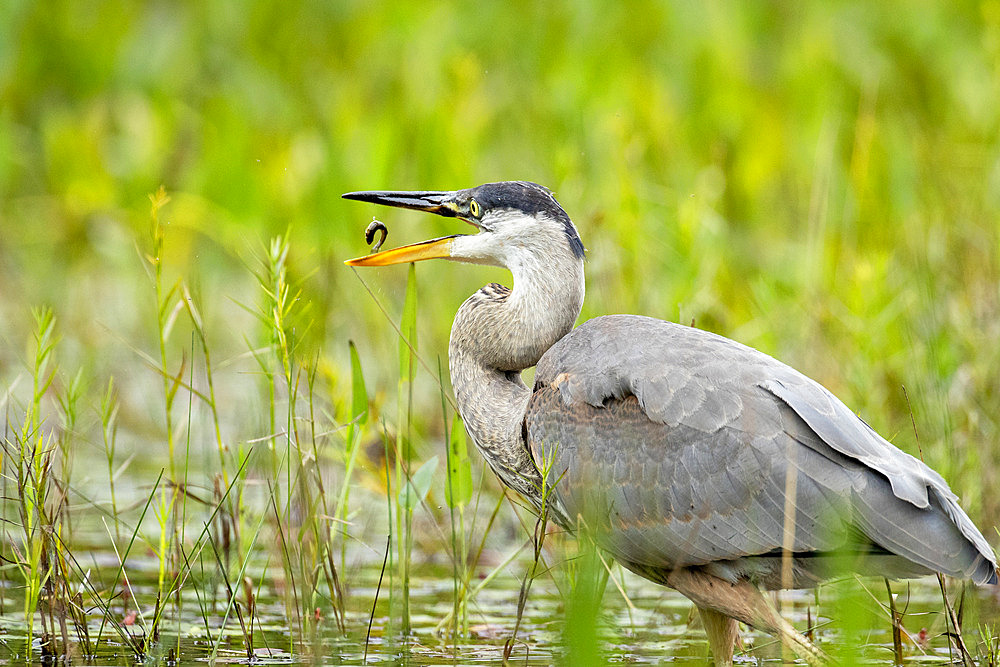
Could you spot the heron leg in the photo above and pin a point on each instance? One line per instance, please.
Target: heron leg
(744, 602)
(722, 631)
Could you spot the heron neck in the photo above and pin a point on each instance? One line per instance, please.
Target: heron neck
(497, 333)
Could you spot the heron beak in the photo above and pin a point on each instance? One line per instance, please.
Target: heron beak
(414, 252)
(441, 203)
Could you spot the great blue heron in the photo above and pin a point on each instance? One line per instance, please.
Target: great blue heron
(701, 463)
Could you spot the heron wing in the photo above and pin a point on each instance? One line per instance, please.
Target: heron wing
(688, 448)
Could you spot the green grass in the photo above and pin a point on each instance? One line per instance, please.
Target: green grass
(817, 180)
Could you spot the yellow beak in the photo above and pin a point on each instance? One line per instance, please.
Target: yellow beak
(433, 249)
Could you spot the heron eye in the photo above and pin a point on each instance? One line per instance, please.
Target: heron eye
(474, 208)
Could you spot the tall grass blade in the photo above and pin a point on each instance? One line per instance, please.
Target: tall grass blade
(357, 419)
(408, 328)
(581, 625)
(458, 493)
(405, 500)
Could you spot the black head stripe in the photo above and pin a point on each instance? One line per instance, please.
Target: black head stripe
(530, 198)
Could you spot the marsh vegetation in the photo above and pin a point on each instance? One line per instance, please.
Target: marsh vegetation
(220, 443)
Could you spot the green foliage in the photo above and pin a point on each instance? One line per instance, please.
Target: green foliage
(458, 491)
(415, 489)
(581, 628)
(359, 396)
(44, 372)
(818, 180)
(408, 328)
(357, 418)
(856, 613)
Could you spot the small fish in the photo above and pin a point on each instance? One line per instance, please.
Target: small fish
(376, 226)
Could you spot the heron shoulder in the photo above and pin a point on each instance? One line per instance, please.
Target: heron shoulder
(677, 372)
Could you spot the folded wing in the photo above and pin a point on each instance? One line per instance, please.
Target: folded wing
(686, 448)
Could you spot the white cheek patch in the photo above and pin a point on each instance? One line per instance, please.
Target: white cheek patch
(528, 240)
(514, 240)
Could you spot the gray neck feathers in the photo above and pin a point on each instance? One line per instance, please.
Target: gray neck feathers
(497, 333)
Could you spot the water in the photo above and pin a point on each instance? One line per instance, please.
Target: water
(283, 620)
(654, 626)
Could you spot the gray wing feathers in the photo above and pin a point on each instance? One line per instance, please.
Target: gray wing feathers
(695, 465)
(841, 429)
(910, 479)
(676, 496)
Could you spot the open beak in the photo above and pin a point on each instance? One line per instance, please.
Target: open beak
(414, 252)
(441, 203)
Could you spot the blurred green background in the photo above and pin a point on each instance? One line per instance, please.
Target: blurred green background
(820, 180)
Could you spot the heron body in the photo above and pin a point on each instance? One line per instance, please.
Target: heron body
(699, 463)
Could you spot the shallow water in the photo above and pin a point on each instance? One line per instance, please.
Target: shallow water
(656, 626)
(637, 622)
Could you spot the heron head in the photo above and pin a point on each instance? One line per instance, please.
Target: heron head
(516, 221)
